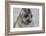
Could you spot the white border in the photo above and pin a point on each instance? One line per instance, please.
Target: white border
(23, 29)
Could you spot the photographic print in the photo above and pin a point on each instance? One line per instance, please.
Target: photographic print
(24, 18)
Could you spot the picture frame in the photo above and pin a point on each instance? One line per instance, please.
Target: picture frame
(10, 5)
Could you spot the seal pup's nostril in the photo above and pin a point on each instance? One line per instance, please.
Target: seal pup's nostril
(28, 21)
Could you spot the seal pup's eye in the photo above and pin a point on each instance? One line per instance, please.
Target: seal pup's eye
(25, 16)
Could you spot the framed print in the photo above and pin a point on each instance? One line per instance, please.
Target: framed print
(24, 17)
